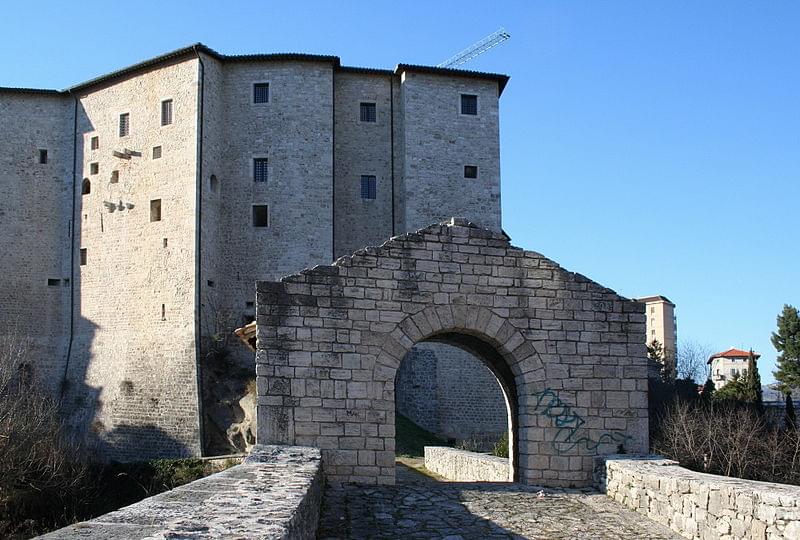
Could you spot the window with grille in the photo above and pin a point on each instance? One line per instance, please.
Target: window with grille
(156, 152)
(260, 215)
(260, 169)
(261, 93)
(368, 187)
(470, 171)
(166, 112)
(124, 124)
(469, 104)
(95, 143)
(368, 112)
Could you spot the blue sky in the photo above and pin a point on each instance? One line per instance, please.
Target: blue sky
(654, 147)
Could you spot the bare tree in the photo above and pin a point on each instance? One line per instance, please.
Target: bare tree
(691, 360)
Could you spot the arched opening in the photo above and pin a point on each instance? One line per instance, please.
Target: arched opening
(456, 390)
(86, 187)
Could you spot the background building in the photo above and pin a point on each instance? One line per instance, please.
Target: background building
(141, 207)
(726, 365)
(662, 326)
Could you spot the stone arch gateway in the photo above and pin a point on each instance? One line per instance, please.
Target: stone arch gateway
(568, 352)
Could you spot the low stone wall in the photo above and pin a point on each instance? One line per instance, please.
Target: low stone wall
(698, 505)
(463, 466)
(275, 493)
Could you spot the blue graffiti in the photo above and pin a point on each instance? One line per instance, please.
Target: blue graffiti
(569, 422)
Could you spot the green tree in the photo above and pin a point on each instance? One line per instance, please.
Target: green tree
(790, 419)
(655, 351)
(787, 342)
(752, 392)
(708, 391)
(733, 391)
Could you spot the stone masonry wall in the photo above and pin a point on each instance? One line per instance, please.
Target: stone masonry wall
(450, 392)
(275, 493)
(132, 377)
(569, 352)
(705, 506)
(35, 227)
(463, 466)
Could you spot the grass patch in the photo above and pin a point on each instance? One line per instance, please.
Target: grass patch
(411, 440)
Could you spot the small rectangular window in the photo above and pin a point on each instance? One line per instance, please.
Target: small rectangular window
(155, 210)
(249, 304)
(165, 242)
(95, 143)
(53, 282)
(114, 177)
(261, 93)
(163, 312)
(94, 168)
(156, 152)
(83, 256)
(166, 112)
(368, 187)
(42, 156)
(260, 169)
(368, 112)
(469, 104)
(211, 283)
(470, 171)
(124, 124)
(260, 215)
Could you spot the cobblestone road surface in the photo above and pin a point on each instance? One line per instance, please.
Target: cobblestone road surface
(420, 507)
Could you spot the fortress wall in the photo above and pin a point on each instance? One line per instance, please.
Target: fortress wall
(362, 148)
(35, 226)
(132, 372)
(438, 141)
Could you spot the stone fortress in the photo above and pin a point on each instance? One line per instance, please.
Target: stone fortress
(141, 207)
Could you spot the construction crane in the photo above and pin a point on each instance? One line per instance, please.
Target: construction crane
(490, 41)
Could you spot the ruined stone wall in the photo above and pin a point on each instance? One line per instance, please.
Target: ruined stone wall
(416, 389)
(35, 227)
(132, 369)
(569, 352)
(438, 141)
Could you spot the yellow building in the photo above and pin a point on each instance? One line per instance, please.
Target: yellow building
(662, 326)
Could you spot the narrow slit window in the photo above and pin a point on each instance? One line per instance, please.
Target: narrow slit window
(155, 210)
(156, 152)
(114, 177)
(42, 156)
(260, 215)
(124, 124)
(166, 112)
(261, 93)
(469, 104)
(260, 172)
(95, 143)
(163, 312)
(368, 112)
(368, 187)
(166, 242)
(84, 256)
(470, 171)
(213, 183)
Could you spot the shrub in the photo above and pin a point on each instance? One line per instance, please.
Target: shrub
(501, 446)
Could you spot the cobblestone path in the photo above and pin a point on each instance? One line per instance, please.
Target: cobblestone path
(420, 507)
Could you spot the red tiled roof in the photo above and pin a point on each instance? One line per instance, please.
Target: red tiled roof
(733, 353)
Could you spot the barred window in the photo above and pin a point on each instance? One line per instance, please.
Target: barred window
(156, 152)
(260, 169)
(261, 93)
(166, 112)
(124, 124)
(368, 187)
(470, 171)
(469, 104)
(368, 112)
